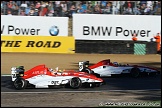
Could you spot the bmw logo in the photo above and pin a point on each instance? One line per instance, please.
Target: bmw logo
(54, 31)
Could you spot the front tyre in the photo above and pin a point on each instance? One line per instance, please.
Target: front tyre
(152, 74)
(97, 84)
(75, 83)
(20, 83)
(135, 72)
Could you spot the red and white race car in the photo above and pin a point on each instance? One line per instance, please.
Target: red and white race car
(43, 77)
(106, 68)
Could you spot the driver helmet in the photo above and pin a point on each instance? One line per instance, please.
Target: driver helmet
(59, 70)
(50, 69)
(115, 63)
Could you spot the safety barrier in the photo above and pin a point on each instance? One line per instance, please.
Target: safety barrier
(139, 49)
(114, 47)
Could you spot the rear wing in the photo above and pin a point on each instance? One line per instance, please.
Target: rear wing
(83, 64)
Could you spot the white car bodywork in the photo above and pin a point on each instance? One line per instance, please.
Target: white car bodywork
(109, 70)
(106, 69)
(44, 81)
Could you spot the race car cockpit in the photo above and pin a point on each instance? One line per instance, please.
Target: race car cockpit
(56, 71)
(115, 63)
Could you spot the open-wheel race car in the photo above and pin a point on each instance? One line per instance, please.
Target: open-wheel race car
(106, 68)
(43, 77)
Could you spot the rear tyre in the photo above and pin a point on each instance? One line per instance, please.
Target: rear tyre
(97, 75)
(20, 83)
(75, 83)
(87, 70)
(97, 84)
(152, 74)
(135, 72)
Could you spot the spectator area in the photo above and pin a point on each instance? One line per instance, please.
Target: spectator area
(67, 8)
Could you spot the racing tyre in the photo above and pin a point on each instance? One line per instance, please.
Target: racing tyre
(75, 83)
(20, 83)
(87, 70)
(97, 84)
(97, 75)
(135, 72)
(152, 74)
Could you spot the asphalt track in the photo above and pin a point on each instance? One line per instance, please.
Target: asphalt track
(117, 83)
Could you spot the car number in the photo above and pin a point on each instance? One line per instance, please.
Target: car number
(54, 82)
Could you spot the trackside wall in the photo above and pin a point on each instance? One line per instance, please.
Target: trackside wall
(113, 47)
(38, 44)
(112, 34)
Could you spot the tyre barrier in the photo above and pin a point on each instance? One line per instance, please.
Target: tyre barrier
(114, 47)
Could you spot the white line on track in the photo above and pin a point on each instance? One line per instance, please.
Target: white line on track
(5, 75)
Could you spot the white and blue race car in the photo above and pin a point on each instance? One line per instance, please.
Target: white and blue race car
(106, 68)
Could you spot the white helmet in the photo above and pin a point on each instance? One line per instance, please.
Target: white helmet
(50, 69)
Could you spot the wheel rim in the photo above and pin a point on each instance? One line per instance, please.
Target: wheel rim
(74, 83)
(19, 84)
(135, 74)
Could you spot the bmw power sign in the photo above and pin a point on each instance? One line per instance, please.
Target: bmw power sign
(49, 26)
(54, 31)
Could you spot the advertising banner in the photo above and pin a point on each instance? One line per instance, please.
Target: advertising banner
(34, 26)
(40, 44)
(115, 27)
